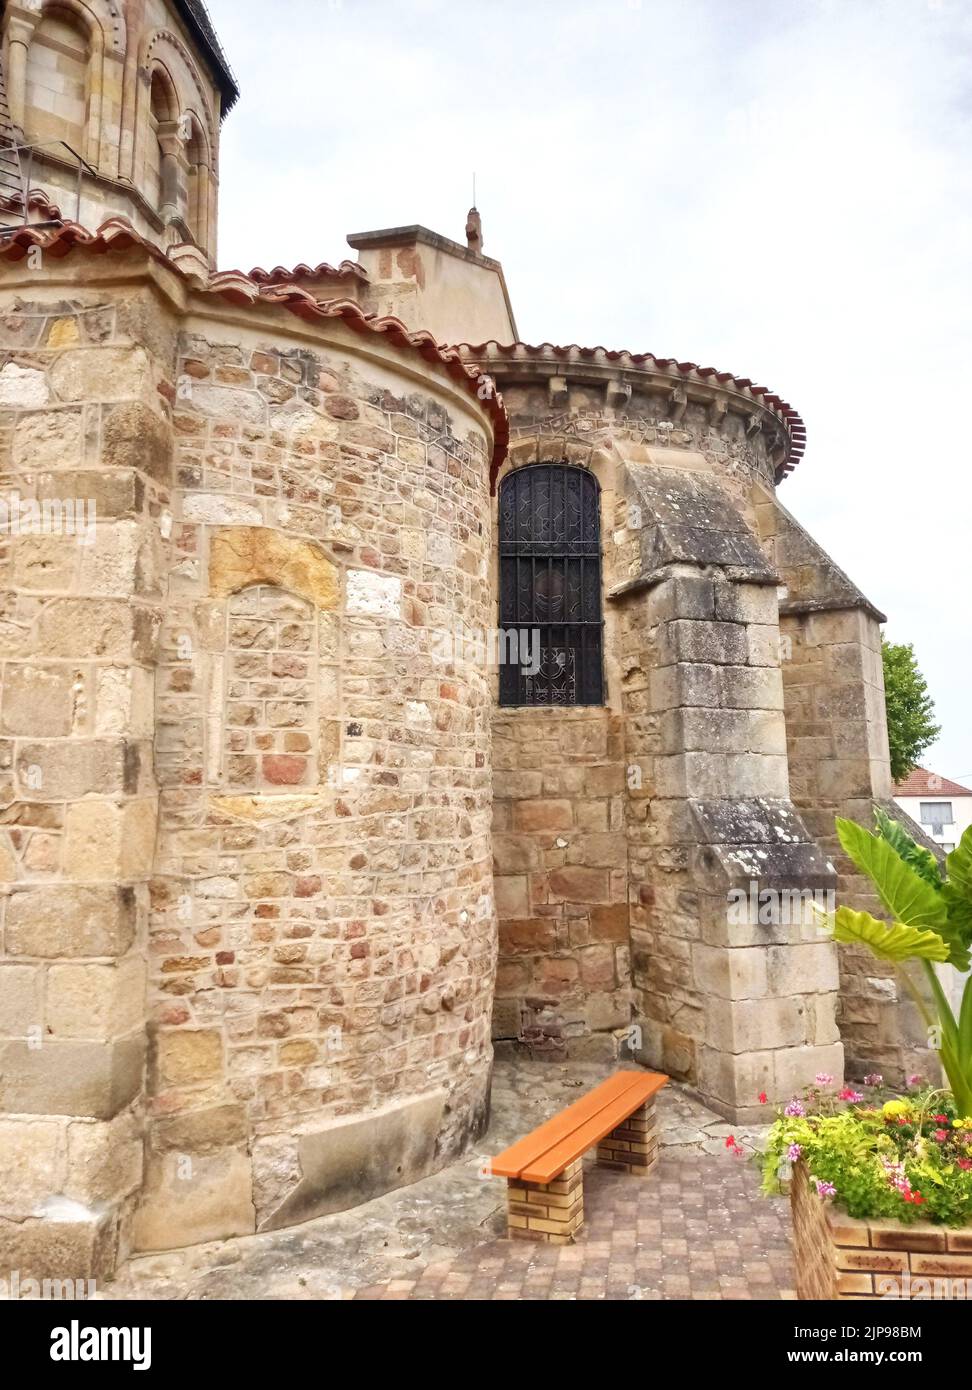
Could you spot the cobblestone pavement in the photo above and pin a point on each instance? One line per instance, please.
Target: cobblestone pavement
(697, 1228)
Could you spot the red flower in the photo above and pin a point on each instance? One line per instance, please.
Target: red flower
(965, 1163)
(762, 1097)
(941, 1135)
(731, 1141)
(942, 1119)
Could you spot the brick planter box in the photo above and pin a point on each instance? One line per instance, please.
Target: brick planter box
(841, 1257)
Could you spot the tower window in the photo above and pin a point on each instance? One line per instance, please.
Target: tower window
(550, 587)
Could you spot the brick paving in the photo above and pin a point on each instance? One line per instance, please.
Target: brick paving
(697, 1229)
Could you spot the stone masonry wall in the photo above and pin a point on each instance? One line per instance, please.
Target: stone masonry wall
(246, 976)
(82, 423)
(322, 932)
(563, 978)
(837, 747)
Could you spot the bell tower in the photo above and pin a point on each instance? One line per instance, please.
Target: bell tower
(114, 109)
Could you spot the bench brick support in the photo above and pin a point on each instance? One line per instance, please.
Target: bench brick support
(547, 1211)
(633, 1146)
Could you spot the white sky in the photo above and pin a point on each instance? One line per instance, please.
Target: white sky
(778, 188)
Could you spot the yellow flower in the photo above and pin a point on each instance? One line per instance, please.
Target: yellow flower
(893, 1108)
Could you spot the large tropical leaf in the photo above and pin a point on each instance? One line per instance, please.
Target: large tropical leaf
(959, 866)
(905, 894)
(920, 859)
(959, 910)
(965, 1028)
(895, 942)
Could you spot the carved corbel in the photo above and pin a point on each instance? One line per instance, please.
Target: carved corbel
(677, 403)
(718, 410)
(618, 394)
(557, 391)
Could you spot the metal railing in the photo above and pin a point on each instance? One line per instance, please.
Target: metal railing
(25, 168)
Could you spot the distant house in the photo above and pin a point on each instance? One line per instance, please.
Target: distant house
(943, 808)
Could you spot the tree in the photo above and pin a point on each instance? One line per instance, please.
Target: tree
(910, 708)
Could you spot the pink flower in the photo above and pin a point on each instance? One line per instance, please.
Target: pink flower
(965, 1164)
(795, 1110)
(848, 1094)
(826, 1189)
(915, 1080)
(795, 1150)
(823, 1078)
(874, 1078)
(941, 1135)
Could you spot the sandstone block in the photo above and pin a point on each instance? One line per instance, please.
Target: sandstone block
(71, 1078)
(95, 1001)
(101, 374)
(55, 921)
(186, 1056)
(59, 1250)
(47, 439)
(104, 1159)
(58, 771)
(135, 437)
(32, 1162)
(208, 1197)
(37, 700)
(243, 555)
(542, 815)
(22, 388)
(109, 839)
(20, 1000)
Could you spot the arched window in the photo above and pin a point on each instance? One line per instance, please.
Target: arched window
(163, 109)
(57, 81)
(550, 587)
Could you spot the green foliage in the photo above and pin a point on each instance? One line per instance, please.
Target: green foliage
(933, 922)
(909, 708)
(894, 942)
(921, 860)
(910, 1159)
(908, 897)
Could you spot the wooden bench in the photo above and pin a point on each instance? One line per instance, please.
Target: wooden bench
(544, 1170)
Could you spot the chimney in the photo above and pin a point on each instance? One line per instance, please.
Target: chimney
(474, 231)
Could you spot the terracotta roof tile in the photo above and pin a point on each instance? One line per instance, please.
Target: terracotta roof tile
(280, 275)
(781, 408)
(921, 782)
(117, 234)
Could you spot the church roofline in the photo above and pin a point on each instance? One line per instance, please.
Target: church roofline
(619, 359)
(415, 232)
(117, 234)
(196, 18)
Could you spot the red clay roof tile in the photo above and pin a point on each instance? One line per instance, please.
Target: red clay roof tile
(117, 234)
(921, 782)
(781, 408)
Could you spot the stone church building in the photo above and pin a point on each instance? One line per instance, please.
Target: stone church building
(378, 691)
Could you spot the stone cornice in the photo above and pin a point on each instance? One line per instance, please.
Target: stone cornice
(677, 383)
